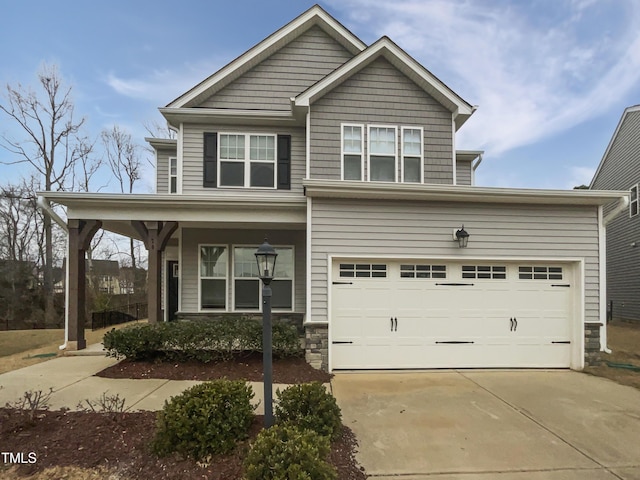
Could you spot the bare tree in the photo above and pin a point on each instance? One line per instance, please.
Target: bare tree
(159, 130)
(46, 118)
(123, 157)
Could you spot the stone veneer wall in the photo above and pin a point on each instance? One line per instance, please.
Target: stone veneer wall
(592, 344)
(316, 340)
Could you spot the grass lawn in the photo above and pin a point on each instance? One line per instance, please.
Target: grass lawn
(21, 348)
(624, 342)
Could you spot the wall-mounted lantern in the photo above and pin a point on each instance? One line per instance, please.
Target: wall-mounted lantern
(462, 237)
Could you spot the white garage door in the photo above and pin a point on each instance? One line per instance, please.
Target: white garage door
(435, 314)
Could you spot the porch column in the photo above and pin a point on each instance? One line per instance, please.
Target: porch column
(80, 234)
(155, 236)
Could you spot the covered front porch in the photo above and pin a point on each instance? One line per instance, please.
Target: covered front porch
(173, 228)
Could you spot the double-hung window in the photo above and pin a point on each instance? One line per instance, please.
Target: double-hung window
(382, 154)
(352, 151)
(633, 204)
(247, 160)
(248, 286)
(173, 175)
(213, 277)
(412, 154)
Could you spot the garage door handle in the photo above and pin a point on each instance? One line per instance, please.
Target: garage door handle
(563, 341)
(561, 285)
(455, 342)
(511, 327)
(342, 283)
(340, 343)
(396, 322)
(515, 324)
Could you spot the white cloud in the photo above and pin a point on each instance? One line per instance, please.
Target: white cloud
(535, 69)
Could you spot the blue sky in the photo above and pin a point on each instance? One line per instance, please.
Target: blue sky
(551, 78)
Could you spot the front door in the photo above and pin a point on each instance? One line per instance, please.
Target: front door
(172, 289)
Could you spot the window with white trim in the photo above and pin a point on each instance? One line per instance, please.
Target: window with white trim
(484, 271)
(173, 175)
(352, 151)
(382, 164)
(213, 277)
(412, 154)
(247, 285)
(247, 160)
(633, 204)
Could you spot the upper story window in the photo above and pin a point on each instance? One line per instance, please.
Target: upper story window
(412, 154)
(352, 152)
(173, 175)
(382, 154)
(633, 205)
(247, 160)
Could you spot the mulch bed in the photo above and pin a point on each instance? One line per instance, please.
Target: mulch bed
(247, 367)
(120, 442)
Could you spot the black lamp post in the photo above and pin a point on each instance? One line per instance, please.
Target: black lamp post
(463, 237)
(266, 258)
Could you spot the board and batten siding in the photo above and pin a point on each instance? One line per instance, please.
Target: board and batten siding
(463, 173)
(285, 74)
(192, 237)
(392, 228)
(192, 160)
(380, 94)
(162, 168)
(620, 170)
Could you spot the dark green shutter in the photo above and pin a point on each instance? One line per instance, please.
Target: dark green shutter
(284, 162)
(210, 163)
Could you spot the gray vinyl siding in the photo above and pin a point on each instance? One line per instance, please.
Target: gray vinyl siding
(620, 171)
(381, 94)
(191, 238)
(285, 74)
(193, 151)
(162, 169)
(463, 173)
(371, 227)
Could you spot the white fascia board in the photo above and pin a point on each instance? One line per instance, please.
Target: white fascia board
(315, 15)
(405, 63)
(175, 116)
(458, 193)
(161, 142)
(627, 111)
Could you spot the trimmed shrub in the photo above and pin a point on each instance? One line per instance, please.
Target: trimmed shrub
(310, 406)
(287, 452)
(137, 342)
(207, 419)
(204, 341)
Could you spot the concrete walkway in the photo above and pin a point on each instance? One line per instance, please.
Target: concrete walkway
(73, 381)
(481, 425)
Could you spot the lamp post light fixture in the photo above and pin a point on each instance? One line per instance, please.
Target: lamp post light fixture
(462, 237)
(266, 258)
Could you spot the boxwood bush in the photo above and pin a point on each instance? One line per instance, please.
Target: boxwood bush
(205, 341)
(310, 406)
(207, 419)
(287, 452)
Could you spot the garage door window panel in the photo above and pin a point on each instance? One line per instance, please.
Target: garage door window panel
(489, 272)
(423, 271)
(363, 270)
(540, 273)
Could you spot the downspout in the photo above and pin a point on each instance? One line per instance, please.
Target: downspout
(623, 204)
(43, 204)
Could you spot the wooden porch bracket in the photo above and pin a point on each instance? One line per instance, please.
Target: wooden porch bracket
(81, 233)
(155, 236)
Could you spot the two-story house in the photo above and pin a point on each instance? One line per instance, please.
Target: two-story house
(619, 169)
(344, 156)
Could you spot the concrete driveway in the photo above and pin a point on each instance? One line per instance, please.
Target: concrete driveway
(480, 425)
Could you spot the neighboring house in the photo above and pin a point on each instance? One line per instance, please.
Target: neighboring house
(102, 275)
(619, 169)
(344, 156)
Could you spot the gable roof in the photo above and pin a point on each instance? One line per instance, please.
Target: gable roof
(386, 48)
(316, 15)
(627, 111)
